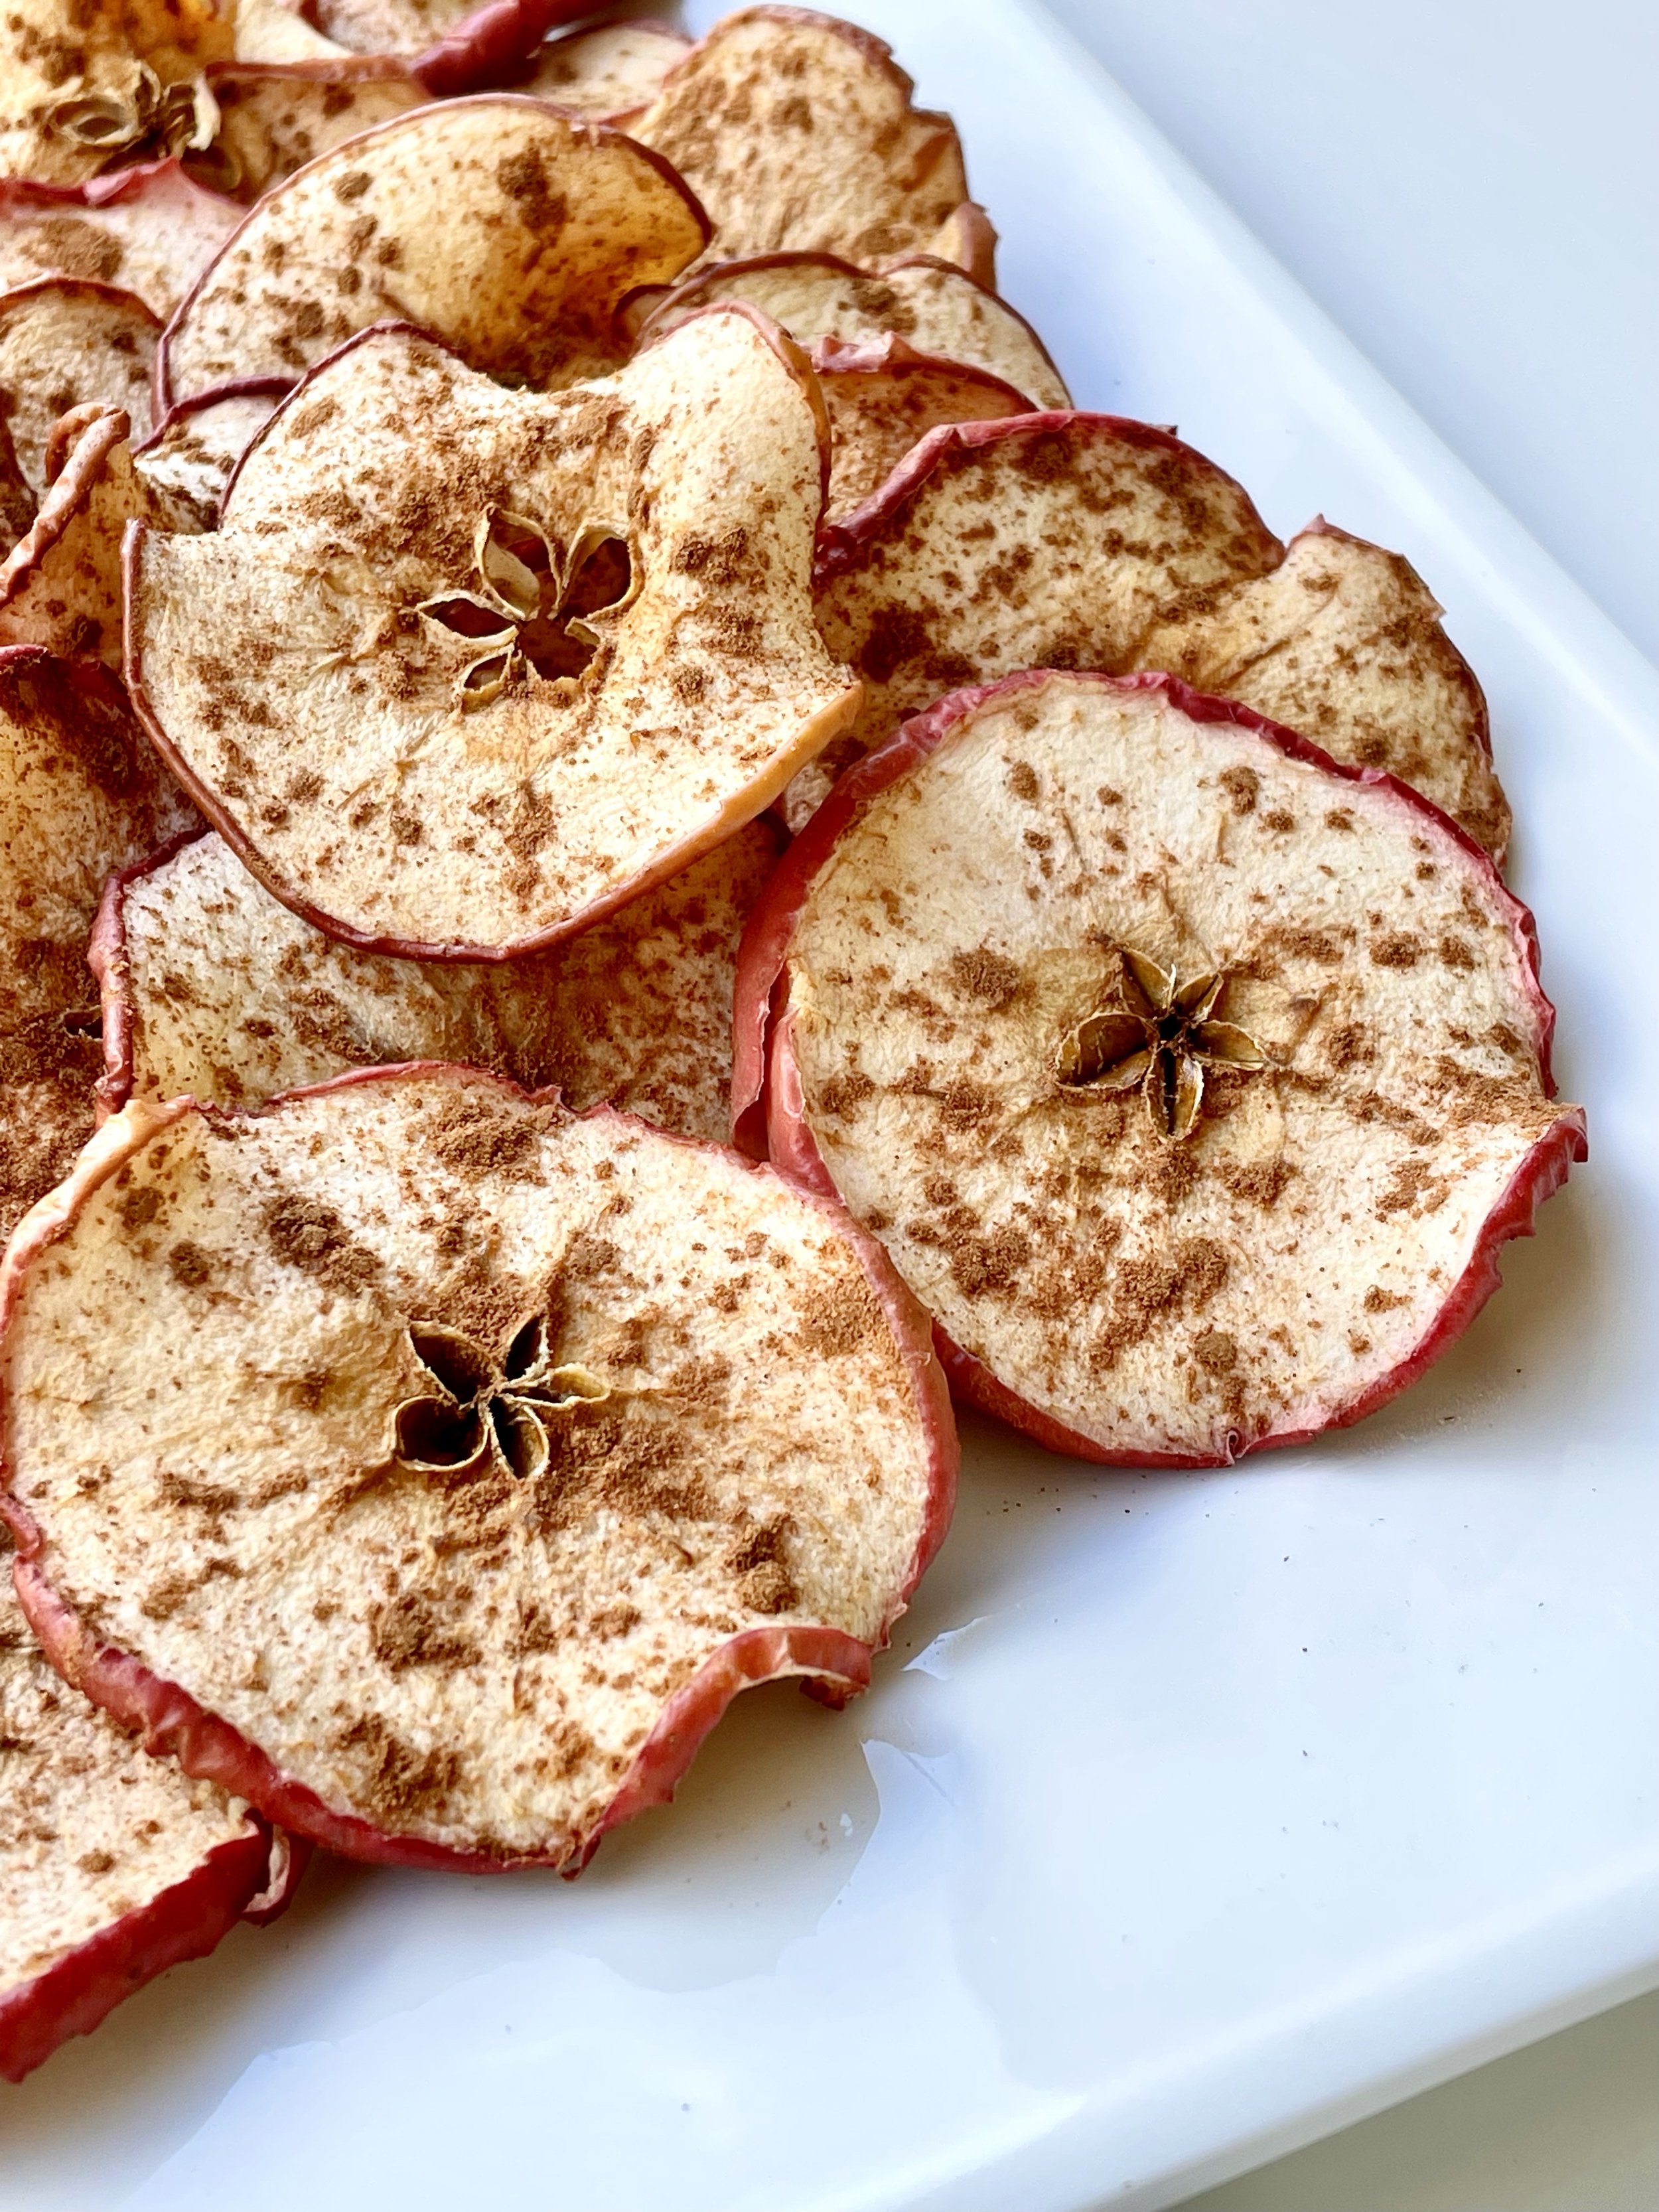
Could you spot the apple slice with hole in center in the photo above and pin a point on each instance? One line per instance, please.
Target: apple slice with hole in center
(1191, 1080)
(457, 695)
(212, 986)
(937, 308)
(116, 1866)
(506, 229)
(797, 132)
(1086, 541)
(149, 229)
(501, 1448)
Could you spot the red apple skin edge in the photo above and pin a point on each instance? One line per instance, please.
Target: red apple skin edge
(168, 1720)
(185, 1921)
(487, 46)
(768, 1105)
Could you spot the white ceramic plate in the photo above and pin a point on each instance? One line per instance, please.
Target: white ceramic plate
(1189, 1818)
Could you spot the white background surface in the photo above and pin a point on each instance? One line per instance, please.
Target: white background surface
(1470, 189)
(1473, 197)
(1191, 1816)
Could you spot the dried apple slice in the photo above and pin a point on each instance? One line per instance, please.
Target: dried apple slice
(276, 117)
(505, 229)
(150, 228)
(937, 308)
(115, 1866)
(276, 30)
(81, 792)
(189, 457)
(967, 238)
(1086, 541)
(797, 132)
(60, 586)
(1343, 643)
(607, 73)
(1191, 1078)
(17, 494)
(212, 986)
(884, 397)
(114, 80)
(64, 341)
(551, 1433)
(457, 696)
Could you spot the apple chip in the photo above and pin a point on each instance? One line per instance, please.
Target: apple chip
(1087, 541)
(884, 397)
(466, 46)
(459, 695)
(115, 1865)
(1191, 1078)
(212, 986)
(1343, 643)
(500, 1447)
(80, 793)
(276, 30)
(276, 117)
(937, 309)
(64, 341)
(607, 73)
(796, 131)
(967, 238)
(16, 494)
(189, 459)
(60, 586)
(506, 229)
(150, 228)
(111, 80)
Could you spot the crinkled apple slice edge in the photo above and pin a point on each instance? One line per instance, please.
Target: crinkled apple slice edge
(170, 1722)
(768, 1107)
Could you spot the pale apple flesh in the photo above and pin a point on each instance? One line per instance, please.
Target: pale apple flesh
(1101, 543)
(80, 793)
(116, 1866)
(276, 117)
(526, 1439)
(856, 170)
(463, 784)
(150, 229)
(884, 397)
(609, 73)
(212, 986)
(447, 216)
(66, 342)
(932, 306)
(1155, 1239)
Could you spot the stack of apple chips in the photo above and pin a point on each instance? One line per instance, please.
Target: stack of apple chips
(635, 854)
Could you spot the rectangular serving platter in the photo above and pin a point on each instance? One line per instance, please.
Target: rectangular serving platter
(1190, 1817)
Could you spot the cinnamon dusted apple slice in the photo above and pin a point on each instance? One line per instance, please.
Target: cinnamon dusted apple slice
(509, 1445)
(189, 459)
(81, 792)
(609, 73)
(1191, 1080)
(458, 694)
(967, 238)
(60, 586)
(1343, 641)
(117, 80)
(506, 229)
(937, 309)
(884, 397)
(212, 986)
(275, 117)
(64, 341)
(115, 1866)
(1086, 541)
(150, 227)
(797, 131)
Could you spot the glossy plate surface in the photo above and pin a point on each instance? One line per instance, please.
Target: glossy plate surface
(1189, 1817)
